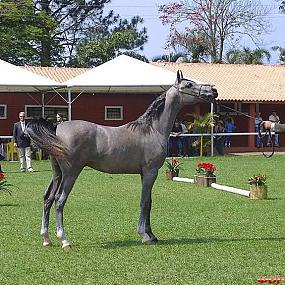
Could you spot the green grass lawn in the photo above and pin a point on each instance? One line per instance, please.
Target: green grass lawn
(206, 236)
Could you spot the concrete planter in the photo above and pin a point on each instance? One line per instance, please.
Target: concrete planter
(204, 180)
(171, 174)
(258, 192)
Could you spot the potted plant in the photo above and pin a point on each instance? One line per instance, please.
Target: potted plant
(4, 185)
(202, 125)
(173, 167)
(258, 187)
(205, 174)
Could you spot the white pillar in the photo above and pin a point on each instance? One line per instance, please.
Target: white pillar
(69, 103)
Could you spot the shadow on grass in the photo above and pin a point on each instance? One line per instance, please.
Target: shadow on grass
(184, 241)
(9, 205)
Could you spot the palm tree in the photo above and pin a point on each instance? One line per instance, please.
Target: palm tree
(248, 56)
(202, 124)
(281, 53)
(172, 57)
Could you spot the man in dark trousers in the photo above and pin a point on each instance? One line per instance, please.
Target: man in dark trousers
(23, 144)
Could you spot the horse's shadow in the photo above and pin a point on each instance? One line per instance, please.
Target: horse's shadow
(183, 241)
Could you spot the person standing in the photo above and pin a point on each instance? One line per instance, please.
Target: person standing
(23, 144)
(229, 128)
(273, 118)
(59, 119)
(257, 121)
(175, 140)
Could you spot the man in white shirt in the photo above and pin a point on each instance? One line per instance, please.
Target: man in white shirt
(275, 119)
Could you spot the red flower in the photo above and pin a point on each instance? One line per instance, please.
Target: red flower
(206, 168)
(2, 176)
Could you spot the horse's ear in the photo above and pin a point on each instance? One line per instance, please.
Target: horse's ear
(179, 76)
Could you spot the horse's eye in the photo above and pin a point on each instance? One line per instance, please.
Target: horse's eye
(188, 85)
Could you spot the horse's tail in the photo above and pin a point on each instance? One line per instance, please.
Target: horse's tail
(42, 133)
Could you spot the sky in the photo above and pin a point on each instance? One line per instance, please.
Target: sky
(157, 33)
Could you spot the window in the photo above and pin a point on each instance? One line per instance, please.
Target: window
(34, 112)
(3, 111)
(113, 112)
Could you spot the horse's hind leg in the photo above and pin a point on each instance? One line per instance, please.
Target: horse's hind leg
(49, 197)
(144, 228)
(61, 196)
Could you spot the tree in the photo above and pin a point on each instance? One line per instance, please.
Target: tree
(192, 43)
(282, 6)
(201, 124)
(248, 56)
(22, 31)
(281, 53)
(109, 41)
(219, 20)
(172, 57)
(51, 32)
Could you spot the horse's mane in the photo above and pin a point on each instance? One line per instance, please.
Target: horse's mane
(153, 112)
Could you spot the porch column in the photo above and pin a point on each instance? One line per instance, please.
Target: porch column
(69, 103)
(251, 125)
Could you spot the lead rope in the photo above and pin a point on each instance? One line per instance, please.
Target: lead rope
(270, 140)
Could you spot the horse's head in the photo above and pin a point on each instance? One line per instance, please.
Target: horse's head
(192, 92)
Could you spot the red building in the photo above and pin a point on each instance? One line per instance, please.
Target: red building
(244, 88)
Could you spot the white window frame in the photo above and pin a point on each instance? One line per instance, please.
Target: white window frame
(39, 106)
(5, 112)
(112, 119)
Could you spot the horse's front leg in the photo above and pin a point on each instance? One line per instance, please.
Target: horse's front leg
(144, 228)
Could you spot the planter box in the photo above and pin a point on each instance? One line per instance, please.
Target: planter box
(204, 181)
(258, 192)
(171, 174)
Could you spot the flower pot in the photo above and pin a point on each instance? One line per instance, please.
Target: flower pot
(170, 174)
(204, 180)
(258, 192)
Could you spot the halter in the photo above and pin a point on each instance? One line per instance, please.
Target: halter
(195, 95)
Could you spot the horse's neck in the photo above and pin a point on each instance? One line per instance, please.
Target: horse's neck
(165, 123)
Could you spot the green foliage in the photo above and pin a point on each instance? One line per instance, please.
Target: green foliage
(282, 6)
(206, 236)
(281, 53)
(22, 31)
(248, 56)
(219, 22)
(258, 179)
(108, 42)
(51, 33)
(190, 42)
(201, 124)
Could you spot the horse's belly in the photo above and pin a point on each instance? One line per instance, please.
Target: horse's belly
(116, 167)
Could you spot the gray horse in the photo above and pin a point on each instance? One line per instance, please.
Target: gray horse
(139, 147)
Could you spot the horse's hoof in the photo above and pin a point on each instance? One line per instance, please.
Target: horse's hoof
(47, 243)
(66, 245)
(66, 248)
(150, 241)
